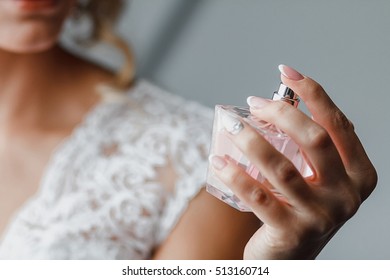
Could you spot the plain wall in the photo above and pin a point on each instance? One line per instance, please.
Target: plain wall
(221, 51)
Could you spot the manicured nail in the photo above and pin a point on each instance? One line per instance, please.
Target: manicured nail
(231, 124)
(217, 162)
(257, 102)
(290, 73)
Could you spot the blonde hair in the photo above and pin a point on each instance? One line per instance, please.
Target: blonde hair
(103, 15)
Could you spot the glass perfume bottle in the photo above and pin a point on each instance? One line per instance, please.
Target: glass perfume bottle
(222, 146)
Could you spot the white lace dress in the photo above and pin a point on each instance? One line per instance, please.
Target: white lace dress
(102, 196)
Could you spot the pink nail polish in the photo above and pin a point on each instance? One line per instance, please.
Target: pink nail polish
(222, 146)
(290, 73)
(256, 102)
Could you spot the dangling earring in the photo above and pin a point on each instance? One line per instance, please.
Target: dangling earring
(79, 27)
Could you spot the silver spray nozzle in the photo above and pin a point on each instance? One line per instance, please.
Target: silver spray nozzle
(286, 94)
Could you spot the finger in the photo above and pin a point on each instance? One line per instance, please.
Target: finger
(326, 113)
(278, 170)
(256, 196)
(313, 140)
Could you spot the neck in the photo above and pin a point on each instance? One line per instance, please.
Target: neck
(24, 78)
(33, 86)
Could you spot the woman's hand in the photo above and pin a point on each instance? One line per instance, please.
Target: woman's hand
(312, 209)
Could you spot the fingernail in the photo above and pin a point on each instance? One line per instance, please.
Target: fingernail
(290, 73)
(231, 124)
(217, 162)
(256, 102)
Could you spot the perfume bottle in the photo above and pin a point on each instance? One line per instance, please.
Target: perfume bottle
(222, 146)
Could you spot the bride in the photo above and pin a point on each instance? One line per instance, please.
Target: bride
(98, 165)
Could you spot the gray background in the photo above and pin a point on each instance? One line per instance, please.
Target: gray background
(221, 51)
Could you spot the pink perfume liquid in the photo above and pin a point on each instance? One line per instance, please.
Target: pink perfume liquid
(222, 146)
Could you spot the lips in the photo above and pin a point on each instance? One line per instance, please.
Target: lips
(36, 4)
(30, 0)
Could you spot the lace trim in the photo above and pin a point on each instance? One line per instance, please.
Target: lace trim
(100, 197)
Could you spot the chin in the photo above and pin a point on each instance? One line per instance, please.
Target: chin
(30, 39)
(31, 26)
(32, 48)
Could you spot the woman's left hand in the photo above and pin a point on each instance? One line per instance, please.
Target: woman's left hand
(312, 209)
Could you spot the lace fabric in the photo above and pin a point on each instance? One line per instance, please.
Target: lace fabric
(102, 195)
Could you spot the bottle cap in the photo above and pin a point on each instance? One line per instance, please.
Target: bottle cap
(286, 94)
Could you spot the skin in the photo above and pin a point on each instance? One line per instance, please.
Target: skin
(45, 92)
(313, 208)
(37, 112)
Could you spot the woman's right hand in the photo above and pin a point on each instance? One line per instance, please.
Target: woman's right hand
(313, 208)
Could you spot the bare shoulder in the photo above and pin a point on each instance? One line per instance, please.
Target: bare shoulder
(92, 72)
(209, 229)
(81, 69)
(82, 78)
